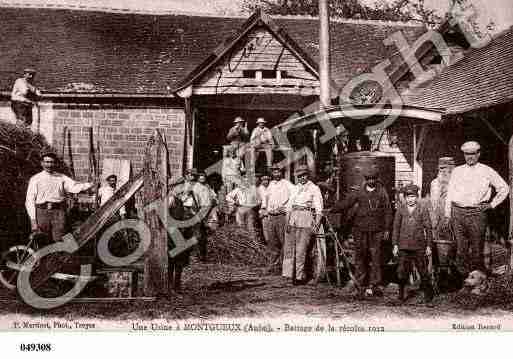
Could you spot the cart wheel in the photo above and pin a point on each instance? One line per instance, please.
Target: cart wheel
(11, 263)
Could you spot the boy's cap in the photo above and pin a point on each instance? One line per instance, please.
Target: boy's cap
(411, 190)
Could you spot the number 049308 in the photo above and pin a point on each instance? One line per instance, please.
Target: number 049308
(36, 347)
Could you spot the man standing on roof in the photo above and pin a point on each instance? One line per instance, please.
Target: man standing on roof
(23, 97)
(262, 139)
(469, 198)
(46, 195)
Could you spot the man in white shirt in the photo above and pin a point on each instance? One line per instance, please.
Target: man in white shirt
(262, 139)
(231, 170)
(106, 192)
(244, 199)
(468, 199)
(46, 194)
(304, 213)
(273, 207)
(23, 97)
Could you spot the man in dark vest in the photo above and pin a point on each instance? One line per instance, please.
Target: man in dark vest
(372, 219)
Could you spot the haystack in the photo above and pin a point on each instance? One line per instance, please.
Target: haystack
(20, 158)
(234, 245)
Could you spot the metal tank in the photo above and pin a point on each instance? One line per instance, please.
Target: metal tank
(353, 164)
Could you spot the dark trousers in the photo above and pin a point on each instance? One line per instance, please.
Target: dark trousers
(408, 258)
(197, 230)
(469, 226)
(51, 222)
(368, 257)
(22, 111)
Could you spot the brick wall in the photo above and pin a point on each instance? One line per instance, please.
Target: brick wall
(121, 130)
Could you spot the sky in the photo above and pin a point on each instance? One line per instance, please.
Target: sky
(500, 11)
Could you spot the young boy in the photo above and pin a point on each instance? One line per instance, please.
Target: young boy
(412, 238)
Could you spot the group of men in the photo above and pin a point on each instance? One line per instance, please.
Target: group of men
(291, 213)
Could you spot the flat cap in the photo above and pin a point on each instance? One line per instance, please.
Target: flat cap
(50, 154)
(470, 147)
(260, 120)
(301, 170)
(264, 175)
(411, 190)
(238, 119)
(446, 162)
(111, 176)
(29, 70)
(191, 171)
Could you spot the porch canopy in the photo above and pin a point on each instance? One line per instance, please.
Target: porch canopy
(351, 116)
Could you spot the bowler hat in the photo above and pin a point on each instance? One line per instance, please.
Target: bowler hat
(470, 147)
(301, 170)
(411, 190)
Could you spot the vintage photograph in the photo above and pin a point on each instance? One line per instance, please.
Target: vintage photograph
(257, 167)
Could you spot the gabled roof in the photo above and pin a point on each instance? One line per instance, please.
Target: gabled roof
(482, 78)
(127, 53)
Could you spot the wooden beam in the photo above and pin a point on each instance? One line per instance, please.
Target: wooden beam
(418, 144)
(510, 169)
(155, 174)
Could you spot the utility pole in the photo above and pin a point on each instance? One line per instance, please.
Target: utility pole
(324, 53)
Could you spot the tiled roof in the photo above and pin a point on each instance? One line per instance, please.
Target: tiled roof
(482, 78)
(131, 53)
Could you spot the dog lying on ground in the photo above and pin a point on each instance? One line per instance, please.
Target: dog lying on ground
(476, 283)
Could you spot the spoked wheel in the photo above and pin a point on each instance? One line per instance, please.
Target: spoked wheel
(11, 263)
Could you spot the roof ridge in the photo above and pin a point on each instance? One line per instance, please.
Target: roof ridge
(92, 8)
(352, 21)
(114, 10)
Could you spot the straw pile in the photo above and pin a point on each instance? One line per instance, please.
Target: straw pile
(234, 245)
(499, 294)
(20, 151)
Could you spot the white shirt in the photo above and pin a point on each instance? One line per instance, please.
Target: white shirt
(50, 187)
(278, 195)
(261, 136)
(192, 194)
(308, 196)
(243, 196)
(262, 193)
(21, 89)
(105, 193)
(231, 167)
(472, 185)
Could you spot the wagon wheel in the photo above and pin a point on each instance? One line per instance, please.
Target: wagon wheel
(11, 264)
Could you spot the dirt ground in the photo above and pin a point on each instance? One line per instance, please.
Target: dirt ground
(213, 291)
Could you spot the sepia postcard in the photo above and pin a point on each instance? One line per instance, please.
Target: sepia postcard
(276, 168)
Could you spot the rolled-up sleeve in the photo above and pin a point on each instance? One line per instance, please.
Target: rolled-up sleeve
(30, 200)
(318, 202)
(501, 187)
(72, 186)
